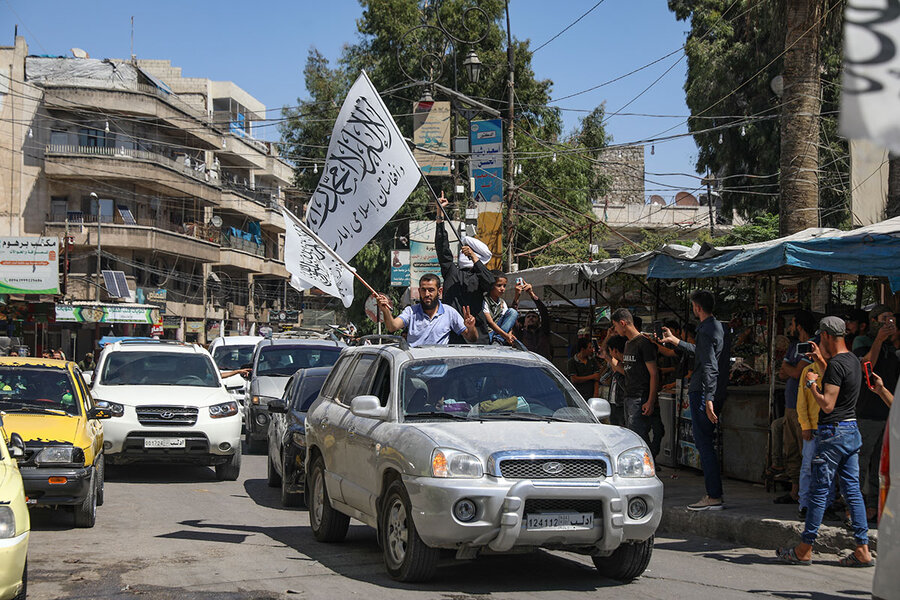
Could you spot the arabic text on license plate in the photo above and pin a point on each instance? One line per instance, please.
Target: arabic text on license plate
(163, 442)
(559, 521)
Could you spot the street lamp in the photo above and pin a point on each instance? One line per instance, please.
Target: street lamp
(472, 65)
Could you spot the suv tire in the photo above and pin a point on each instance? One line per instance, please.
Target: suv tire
(272, 476)
(288, 498)
(327, 524)
(231, 470)
(86, 512)
(627, 562)
(406, 557)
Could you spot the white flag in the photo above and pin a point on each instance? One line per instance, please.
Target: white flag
(369, 173)
(870, 94)
(312, 264)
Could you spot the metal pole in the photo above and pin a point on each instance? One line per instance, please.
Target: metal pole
(99, 218)
(510, 145)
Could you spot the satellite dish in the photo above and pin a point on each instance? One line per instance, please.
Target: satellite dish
(79, 53)
(685, 199)
(657, 200)
(216, 221)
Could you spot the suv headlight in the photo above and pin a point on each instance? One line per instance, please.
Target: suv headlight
(226, 409)
(7, 523)
(453, 463)
(636, 462)
(55, 455)
(115, 409)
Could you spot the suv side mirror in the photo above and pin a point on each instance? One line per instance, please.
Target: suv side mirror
(276, 406)
(600, 408)
(16, 446)
(368, 406)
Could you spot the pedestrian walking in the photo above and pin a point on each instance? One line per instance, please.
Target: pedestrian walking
(838, 442)
(702, 393)
(641, 376)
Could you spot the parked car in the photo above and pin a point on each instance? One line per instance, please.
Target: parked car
(475, 448)
(274, 361)
(48, 404)
(14, 520)
(287, 435)
(170, 406)
(231, 353)
(887, 569)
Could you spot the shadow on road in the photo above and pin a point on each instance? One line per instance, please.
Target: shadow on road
(259, 491)
(359, 558)
(159, 473)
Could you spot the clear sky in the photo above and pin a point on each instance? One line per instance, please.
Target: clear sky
(262, 47)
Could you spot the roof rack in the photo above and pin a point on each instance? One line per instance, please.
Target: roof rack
(153, 341)
(377, 337)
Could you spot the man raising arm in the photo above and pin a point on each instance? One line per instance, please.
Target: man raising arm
(430, 322)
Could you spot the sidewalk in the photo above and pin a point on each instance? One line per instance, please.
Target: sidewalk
(750, 517)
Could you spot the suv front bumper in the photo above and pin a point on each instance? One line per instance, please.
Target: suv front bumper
(500, 521)
(39, 490)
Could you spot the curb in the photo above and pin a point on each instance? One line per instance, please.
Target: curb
(753, 531)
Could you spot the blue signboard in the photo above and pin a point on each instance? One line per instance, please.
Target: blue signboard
(486, 146)
(399, 268)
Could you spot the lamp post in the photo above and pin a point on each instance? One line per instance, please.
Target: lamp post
(99, 218)
(710, 180)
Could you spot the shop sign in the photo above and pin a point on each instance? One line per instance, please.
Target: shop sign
(106, 314)
(171, 322)
(431, 135)
(486, 142)
(29, 265)
(400, 268)
(193, 327)
(284, 316)
(422, 254)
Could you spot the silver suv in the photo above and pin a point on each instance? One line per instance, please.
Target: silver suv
(475, 448)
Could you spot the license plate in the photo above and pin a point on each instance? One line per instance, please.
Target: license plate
(30, 501)
(559, 521)
(163, 442)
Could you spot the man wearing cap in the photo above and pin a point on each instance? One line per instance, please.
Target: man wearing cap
(466, 283)
(583, 333)
(837, 445)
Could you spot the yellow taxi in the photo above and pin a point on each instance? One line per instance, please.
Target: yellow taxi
(49, 405)
(14, 522)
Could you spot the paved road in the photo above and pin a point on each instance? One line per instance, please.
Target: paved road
(178, 533)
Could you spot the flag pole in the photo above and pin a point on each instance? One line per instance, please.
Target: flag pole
(328, 249)
(434, 195)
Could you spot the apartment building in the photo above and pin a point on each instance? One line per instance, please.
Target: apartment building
(156, 175)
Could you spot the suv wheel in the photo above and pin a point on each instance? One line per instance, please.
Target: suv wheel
(627, 562)
(327, 524)
(289, 498)
(86, 512)
(406, 556)
(272, 476)
(231, 470)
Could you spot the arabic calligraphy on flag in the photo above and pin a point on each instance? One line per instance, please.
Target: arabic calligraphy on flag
(312, 264)
(369, 173)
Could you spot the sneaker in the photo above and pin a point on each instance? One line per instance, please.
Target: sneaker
(707, 503)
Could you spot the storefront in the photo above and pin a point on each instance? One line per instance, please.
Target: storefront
(82, 324)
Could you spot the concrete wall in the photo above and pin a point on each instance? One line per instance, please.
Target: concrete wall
(625, 167)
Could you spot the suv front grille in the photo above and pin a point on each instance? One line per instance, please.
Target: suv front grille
(538, 505)
(167, 416)
(550, 468)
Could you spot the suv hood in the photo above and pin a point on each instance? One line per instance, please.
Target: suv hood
(42, 428)
(484, 438)
(143, 395)
(272, 387)
(234, 381)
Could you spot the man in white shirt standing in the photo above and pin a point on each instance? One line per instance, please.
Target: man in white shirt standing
(431, 321)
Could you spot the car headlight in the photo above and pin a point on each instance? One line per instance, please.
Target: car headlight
(7, 523)
(453, 463)
(60, 455)
(637, 462)
(115, 409)
(226, 409)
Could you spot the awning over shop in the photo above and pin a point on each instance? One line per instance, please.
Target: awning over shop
(94, 312)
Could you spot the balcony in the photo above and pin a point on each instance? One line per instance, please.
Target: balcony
(246, 255)
(154, 169)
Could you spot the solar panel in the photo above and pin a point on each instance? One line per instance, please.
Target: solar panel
(116, 284)
(126, 215)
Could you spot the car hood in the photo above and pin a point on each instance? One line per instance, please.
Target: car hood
(484, 438)
(42, 428)
(234, 381)
(143, 395)
(273, 387)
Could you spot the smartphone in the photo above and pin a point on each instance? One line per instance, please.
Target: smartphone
(867, 368)
(596, 346)
(658, 329)
(804, 347)
(520, 281)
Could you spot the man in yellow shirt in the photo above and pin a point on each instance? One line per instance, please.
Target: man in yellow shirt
(808, 415)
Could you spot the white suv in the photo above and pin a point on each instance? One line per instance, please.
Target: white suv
(170, 405)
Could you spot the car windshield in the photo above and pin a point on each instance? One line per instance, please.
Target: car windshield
(308, 392)
(283, 361)
(229, 358)
(488, 389)
(159, 368)
(24, 389)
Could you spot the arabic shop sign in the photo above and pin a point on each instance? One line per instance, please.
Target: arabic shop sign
(29, 265)
(106, 314)
(486, 143)
(431, 133)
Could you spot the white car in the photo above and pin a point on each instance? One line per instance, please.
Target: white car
(231, 353)
(887, 569)
(169, 404)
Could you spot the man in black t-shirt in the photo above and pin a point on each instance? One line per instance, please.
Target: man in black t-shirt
(837, 445)
(584, 370)
(641, 375)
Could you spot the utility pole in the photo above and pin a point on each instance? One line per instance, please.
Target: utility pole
(99, 218)
(801, 104)
(510, 146)
(708, 181)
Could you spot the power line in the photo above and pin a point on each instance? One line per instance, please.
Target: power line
(569, 26)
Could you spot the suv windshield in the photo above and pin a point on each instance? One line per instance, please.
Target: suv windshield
(488, 388)
(159, 368)
(283, 361)
(229, 358)
(37, 390)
